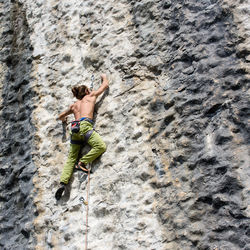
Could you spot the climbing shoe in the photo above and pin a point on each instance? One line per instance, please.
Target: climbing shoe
(60, 191)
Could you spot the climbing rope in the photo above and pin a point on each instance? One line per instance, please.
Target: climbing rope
(88, 185)
(87, 210)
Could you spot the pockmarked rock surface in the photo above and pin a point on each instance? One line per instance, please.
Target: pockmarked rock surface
(175, 120)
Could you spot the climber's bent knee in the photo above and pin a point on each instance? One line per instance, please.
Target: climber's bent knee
(102, 148)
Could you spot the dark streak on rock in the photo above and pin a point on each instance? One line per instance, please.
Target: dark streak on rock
(17, 168)
(197, 44)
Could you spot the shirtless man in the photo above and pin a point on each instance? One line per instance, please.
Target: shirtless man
(83, 110)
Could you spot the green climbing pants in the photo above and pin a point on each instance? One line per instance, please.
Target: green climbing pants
(97, 148)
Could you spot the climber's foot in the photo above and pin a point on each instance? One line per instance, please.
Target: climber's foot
(60, 191)
(81, 167)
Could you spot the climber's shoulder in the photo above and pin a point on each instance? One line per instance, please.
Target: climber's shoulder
(75, 105)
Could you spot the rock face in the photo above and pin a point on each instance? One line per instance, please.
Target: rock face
(18, 99)
(175, 120)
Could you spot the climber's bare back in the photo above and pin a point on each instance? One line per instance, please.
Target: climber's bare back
(84, 107)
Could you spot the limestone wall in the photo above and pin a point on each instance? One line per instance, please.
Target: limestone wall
(175, 120)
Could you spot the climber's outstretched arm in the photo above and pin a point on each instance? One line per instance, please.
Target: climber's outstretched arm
(67, 112)
(105, 85)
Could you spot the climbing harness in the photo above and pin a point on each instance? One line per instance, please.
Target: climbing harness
(75, 128)
(82, 142)
(75, 125)
(87, 119)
